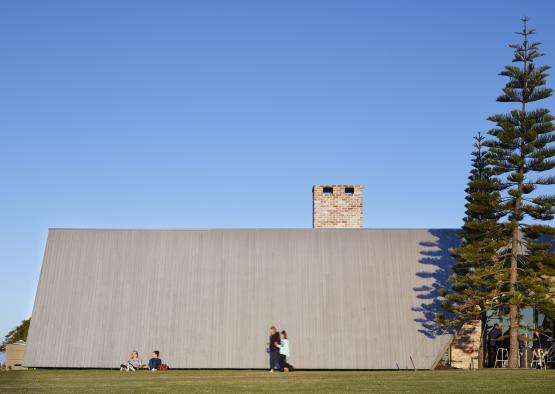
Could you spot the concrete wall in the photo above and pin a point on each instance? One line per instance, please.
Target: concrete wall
(350, 299)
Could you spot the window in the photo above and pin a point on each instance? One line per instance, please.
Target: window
(349, 190)
(328, 190)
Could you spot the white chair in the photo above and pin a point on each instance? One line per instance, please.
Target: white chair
(538, 359)
(502, 358)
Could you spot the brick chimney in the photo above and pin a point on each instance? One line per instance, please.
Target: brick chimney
(337, 206)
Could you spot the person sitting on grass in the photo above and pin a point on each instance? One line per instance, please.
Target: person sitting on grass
(134, 363)
(155, 362)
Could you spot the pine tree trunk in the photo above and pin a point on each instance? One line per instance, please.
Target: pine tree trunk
(514, 324)
(481, 355)
(513, 335)
(481, 349)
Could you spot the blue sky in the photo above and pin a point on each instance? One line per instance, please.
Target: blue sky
(174, 114)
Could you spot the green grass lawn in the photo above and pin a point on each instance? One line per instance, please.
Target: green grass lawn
(73, 381)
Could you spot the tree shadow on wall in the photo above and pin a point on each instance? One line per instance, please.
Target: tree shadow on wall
(437, 257)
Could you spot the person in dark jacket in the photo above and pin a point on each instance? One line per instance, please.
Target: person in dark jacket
(273, 349)
(155, 362)
(493, 343)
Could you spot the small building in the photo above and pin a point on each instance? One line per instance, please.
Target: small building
(14, 355)
(349, 297)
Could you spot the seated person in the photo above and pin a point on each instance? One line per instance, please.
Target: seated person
(538, 353)
(155, 362)
(134, 363)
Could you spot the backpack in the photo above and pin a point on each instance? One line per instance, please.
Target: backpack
(164, 367)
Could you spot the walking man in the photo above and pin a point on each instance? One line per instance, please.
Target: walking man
(273, 349)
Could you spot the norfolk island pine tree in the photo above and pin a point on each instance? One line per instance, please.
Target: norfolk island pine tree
(476, 282)
(506, 266)
(519, 152)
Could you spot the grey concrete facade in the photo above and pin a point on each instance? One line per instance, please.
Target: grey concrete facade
(349, 298)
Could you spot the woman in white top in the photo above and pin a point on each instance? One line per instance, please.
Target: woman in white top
(284, 352)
